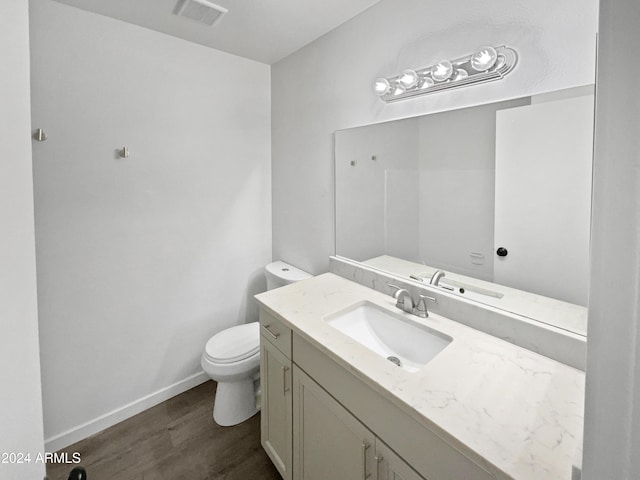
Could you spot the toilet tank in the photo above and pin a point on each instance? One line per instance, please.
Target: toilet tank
(280, 274)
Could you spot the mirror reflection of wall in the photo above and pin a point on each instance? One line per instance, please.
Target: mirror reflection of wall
(446, 190)
(457, 184)
(377, 190)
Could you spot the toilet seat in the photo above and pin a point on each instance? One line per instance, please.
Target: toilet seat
(234, 344)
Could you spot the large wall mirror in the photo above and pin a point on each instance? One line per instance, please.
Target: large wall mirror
(496, 196)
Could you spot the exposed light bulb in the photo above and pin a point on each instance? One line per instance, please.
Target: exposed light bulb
(408, 79)
(442, 71)
(427, 82)
(484, 59)
(381, 86)
(460, 74)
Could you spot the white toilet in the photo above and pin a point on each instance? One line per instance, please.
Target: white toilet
(232, 358)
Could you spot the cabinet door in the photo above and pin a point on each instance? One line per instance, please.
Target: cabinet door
(329, 443)
(391, 467)
(276, 416)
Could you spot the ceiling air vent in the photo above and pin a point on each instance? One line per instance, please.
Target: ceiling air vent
(200, 10)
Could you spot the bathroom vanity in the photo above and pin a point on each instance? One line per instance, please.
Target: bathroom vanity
(481, 408)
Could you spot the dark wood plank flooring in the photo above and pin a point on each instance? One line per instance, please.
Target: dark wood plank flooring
(174, 440)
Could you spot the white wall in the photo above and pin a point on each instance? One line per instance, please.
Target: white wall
(612, 416)
(20, 395)
(140, 260)
(326, 86)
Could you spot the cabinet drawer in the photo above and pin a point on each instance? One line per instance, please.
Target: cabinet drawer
(276, 332)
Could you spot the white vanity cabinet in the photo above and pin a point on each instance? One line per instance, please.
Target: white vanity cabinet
(321, 422)
(329, 441)
(275, 375)
(481, 409)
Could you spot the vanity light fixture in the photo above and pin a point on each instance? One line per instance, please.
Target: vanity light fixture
(485, 65)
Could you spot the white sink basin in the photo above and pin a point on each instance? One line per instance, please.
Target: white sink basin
(406, 343)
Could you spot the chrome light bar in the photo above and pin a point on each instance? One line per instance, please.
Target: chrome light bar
(485, 65)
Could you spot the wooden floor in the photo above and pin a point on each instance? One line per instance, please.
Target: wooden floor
(175, 440)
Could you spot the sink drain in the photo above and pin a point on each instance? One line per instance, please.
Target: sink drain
(395, 360)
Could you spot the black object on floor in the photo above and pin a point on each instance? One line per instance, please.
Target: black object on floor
(78, 473)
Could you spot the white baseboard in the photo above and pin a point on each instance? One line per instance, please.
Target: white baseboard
(98, 424)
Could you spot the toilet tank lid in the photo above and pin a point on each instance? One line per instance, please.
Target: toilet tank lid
(286, 272)
(234, 344)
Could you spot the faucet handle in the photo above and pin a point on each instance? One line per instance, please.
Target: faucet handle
(421, 308)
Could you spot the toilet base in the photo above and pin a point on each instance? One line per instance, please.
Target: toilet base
(234, 402)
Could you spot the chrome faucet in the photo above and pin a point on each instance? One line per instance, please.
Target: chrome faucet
(435, 278)
(406, 304)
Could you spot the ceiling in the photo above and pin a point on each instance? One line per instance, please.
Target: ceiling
(262, 30)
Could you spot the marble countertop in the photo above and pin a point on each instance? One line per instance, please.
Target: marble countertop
(520, 412)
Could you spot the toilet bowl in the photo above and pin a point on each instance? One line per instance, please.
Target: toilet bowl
(232, 358)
